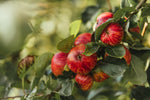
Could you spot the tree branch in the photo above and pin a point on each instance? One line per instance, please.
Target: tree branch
(140, 4)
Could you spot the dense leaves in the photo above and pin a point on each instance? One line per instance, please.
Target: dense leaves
(136, 72)
(116, 51)
(114, 67)
(39, 83)
(91, 48)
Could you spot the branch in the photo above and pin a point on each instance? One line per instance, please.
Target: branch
(109, 5)
(144, 29)
(140, 4)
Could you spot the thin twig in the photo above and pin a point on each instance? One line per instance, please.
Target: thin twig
(144, 28)
(140, 4)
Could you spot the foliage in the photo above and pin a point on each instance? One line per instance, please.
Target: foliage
(125, 82)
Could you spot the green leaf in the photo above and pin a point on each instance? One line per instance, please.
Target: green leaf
(66, 44)
(136, 72)
(122, 12)
(94, 93)
(91, 48)
(137, 35)
(57, 96)
(138, 46)
(112, 70)
(100, 29)
(42, 62)
(124, 3)
(75, 27)
(40, 66)
(133, 3)
(145, 12)
(114, 67)
(67, 87)
(116, 51)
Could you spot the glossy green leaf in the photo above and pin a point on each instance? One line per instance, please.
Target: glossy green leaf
(136, 72)
(67, 87)
(115, 51)
(66, 44)
(75, 27)
(91, 48)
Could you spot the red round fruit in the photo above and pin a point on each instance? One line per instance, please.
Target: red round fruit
(84, 82)
(100, 76)
(25, 64)
(58, 63)
(127, 56)
(79, 63)
(112, 34)
(83, 38)
(135, 29)
(102, 18)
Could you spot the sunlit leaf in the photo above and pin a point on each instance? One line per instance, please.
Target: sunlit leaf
(75, 27)
(66, 44)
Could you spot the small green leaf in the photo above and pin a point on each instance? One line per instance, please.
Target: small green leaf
(91, 48)
(122, 12)
(75, 27)
(116, 51)
(100, 29)
(66, 44)
(136, 72)
(67, 87)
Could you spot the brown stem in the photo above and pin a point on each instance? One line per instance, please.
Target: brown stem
(140, 4)
(144, 28)
(109, 5)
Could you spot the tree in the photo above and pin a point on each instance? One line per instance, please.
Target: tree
(110, 61)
